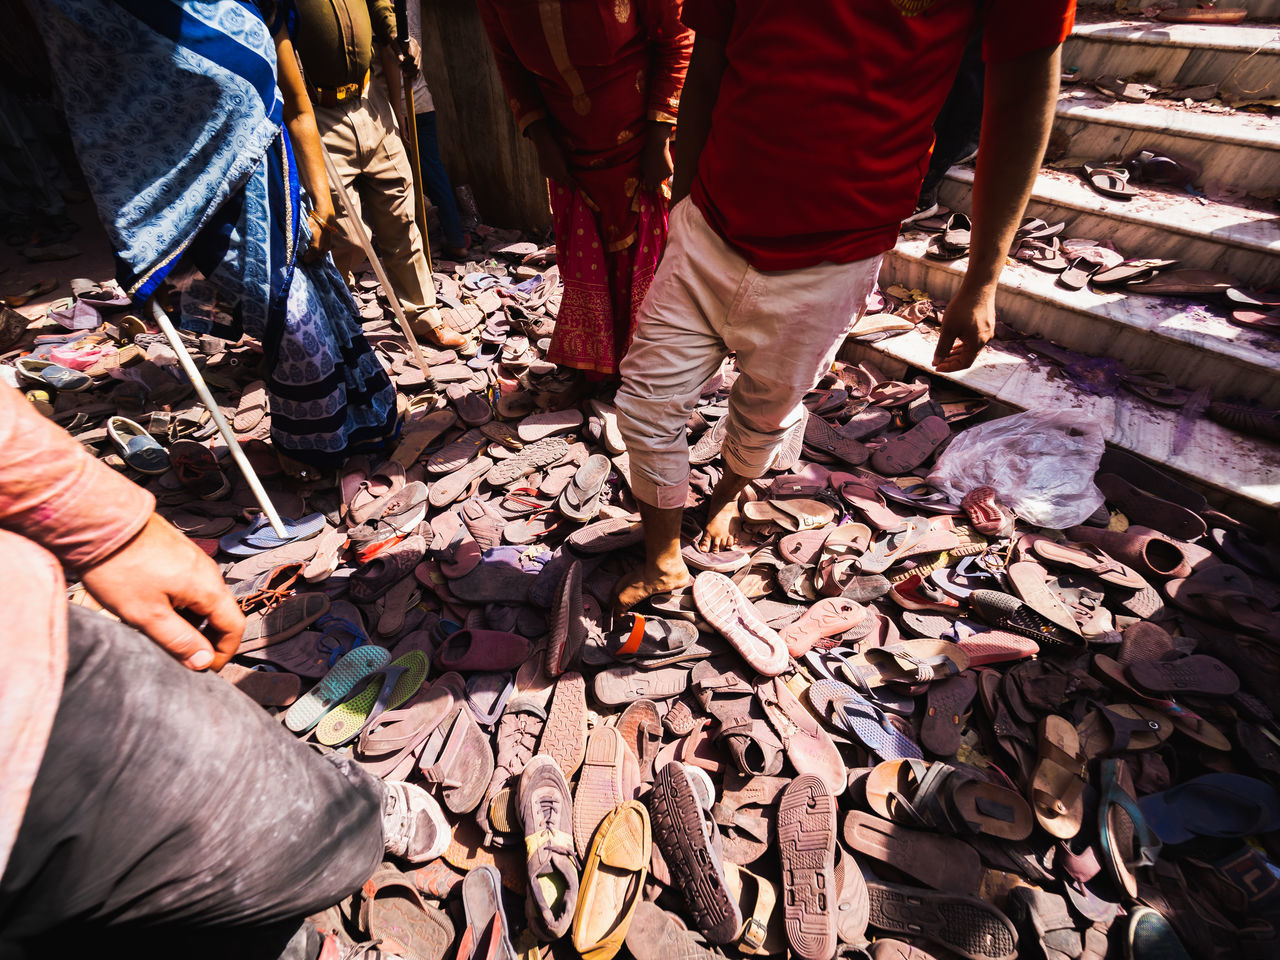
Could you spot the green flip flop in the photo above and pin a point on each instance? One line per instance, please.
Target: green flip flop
(337, 683)
(387, 688)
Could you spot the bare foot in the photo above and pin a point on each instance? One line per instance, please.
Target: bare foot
(645, 582)
(719, 532)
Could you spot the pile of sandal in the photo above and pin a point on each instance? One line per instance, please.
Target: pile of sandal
(1081, 262)
(883, 724)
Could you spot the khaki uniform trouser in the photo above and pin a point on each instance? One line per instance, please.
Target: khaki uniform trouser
(362, 139)
(706, 301)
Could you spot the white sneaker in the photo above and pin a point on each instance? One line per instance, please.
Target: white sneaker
(413, 826)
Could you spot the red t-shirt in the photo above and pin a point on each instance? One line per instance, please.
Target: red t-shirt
(823, 127)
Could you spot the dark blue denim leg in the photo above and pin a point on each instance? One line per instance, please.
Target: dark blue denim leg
(435, 181)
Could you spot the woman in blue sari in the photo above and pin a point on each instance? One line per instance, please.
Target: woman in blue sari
(196, 137)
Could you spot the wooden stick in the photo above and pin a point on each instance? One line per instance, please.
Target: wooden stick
(224, 428)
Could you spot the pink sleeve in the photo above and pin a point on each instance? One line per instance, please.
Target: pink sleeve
(52, 491)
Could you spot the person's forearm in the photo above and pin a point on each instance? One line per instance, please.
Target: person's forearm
(1017, 117)
(701, 88)
(310, 161)
(52, 491)
(300, 120)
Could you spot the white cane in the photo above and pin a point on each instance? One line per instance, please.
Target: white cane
(366, 244)
(224, 428)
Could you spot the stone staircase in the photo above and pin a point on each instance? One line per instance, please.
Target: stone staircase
(1239, 235)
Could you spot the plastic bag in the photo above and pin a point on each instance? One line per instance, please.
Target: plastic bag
(1040, 464)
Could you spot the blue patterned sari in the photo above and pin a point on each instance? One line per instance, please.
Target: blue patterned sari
(179, 127)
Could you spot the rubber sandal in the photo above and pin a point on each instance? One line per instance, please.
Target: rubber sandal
(337, 683)
(393, 913)
(1110, 181)
(684, 839)
(386, 688)
(938, 861)
(806, 848)
(726, 609)
(945, 704)
(965, 925)
(947, 797)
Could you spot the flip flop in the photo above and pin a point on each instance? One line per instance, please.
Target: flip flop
(849, 713)
(581, 498)
(1077, 274)
(938, 861)
(1186, 283)
(388, 687)
(1116, 800)
(725, 607)
(1225, 805)
(965, 925)
(1224, 594)
(487, 935)
(1057, 782)
(337, 683)
(1110, 181)
(1130, 271)
(1042, 255)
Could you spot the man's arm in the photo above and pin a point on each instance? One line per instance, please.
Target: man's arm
(301, 123)
(701, 88)
(102, 526)
(672, 44)
(1017, 117)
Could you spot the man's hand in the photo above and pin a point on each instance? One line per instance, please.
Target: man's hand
(968, 324)
(159, 572)
(324, 227)
(655, 162)
(410, 58)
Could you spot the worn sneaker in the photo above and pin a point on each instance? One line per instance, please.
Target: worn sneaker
(413, 827)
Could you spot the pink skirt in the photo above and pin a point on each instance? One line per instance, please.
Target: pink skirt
(602, 290)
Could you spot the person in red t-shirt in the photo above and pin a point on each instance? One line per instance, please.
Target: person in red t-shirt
(804, 135)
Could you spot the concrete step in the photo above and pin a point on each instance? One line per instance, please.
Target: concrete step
(1181, 338)
(1242, 149)
(1242, 59)
(1203, 234)
(1238, 472)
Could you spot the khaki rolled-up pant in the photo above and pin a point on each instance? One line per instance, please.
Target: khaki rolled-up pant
(705, 301)
(362, 138)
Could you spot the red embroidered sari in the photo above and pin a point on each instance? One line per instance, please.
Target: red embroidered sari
(599, 71)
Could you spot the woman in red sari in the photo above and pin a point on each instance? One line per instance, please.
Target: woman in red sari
(595, 84)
